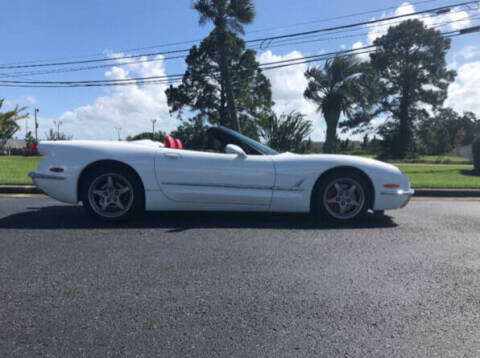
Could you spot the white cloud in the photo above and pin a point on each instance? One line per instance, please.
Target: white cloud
(469, 52)
(464, 93)
(24, 101)
(7, 103)
(129, 107)
(31, 100)
(362, 56)
(288, 85)
(454, 20)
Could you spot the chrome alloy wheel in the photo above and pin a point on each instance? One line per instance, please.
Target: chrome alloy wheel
(111, 195)
(344, 198)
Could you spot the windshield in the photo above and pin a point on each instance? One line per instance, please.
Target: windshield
(252, 143)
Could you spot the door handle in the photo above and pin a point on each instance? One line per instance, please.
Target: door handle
(172, 155)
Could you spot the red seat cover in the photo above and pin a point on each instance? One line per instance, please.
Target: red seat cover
(169, 142)
(178, 142)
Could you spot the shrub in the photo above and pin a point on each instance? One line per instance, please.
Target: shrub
(476, 155)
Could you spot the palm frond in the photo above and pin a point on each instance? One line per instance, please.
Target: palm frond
(206, 9)
(242, 10)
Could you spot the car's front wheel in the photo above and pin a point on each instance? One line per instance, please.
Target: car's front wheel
(342, 196)
(112, 194)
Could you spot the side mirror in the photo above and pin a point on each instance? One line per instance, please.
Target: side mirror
(235, 149)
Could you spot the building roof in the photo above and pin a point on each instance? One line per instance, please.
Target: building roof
(15, 144)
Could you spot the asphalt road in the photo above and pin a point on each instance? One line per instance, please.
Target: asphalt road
(239, 285)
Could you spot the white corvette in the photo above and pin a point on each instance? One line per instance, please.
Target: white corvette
(116, 180)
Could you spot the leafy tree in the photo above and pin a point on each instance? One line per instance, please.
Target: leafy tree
(228, 16)
(372, 146)
(54, 135)
(341, 87)
(476, 155)
(287, 132)
(445, 131)
(8, 123)
(344, 145)
(410, 63)
(366, 143)
(157, 136)
(202, 90)
(29, 140)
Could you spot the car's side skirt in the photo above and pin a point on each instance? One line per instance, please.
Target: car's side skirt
(237, 186)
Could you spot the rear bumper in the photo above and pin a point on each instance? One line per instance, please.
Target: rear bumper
(62, 188)
(35, 175)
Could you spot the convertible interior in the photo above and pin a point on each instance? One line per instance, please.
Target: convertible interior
(218, 138)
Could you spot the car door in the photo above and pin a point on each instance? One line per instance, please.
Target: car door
(203, 177)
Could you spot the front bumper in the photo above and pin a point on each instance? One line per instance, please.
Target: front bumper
(398, 199)
(409, 192)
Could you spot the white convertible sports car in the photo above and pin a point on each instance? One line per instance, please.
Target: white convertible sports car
(116, 180)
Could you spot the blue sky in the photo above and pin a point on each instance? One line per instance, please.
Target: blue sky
(57, 29)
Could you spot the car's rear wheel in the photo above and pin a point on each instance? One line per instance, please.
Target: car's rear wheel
(342, 196)
(112, 193)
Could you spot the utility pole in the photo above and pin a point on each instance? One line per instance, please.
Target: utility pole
(153, 125)
(36, 125)
(153, 128)
(118, 129)
(26, 125)
(58, 124)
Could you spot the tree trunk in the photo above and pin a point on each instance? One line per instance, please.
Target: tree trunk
(404, 137)
(227, 80)
(331, 118)
(223, 108)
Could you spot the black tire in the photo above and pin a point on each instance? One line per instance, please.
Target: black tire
(328, 202)
(126, 190)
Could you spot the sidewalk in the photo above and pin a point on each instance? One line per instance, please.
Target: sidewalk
(419, 192)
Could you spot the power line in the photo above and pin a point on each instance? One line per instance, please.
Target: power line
(289, 42)
(281, 44)
(177, 77)
(286, 42)
(94, 60)
(84, 68)
(370, 22)
(198, 40)
(272, 38)
(343, 16)
(102, 53)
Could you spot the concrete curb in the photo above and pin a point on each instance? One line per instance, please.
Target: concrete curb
(447, 193)
(19, 189)
(419, 192)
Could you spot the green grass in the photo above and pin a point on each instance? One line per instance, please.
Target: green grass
(14, 170)
(447, 176)
(427, 159)
(435, 159)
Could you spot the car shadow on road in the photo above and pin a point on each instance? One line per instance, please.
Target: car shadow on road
(74, 217)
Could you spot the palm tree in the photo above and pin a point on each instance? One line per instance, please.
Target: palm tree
(227, 16)
(338, 88)
(8, 123)
(287, 132)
